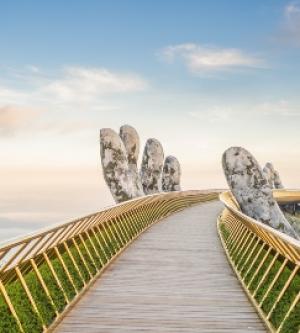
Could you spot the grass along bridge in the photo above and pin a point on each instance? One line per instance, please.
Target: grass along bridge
(194, 271)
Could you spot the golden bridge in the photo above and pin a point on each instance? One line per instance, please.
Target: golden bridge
(187, 261)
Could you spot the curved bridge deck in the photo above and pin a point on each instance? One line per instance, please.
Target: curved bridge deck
(174, 278)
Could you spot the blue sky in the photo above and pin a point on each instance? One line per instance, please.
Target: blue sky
(199, 76)
(96, 31)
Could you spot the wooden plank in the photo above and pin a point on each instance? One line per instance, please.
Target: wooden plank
(174, 278)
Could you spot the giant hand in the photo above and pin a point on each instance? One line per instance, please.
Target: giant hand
(252, 191)
(119, 156)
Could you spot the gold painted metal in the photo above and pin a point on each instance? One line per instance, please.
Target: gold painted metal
(274, 246)
(10, 305)
(245, 251)
(273, 282)
(94, 248)
(82, 257)
(55, 276)
(254, 261)
(88, 252)
(29, 295)
(259, 267)
(96, 240)
(65, 268)
(266, 273)
(43, 284)
(73, 261)
(294, 303)
(283, 290)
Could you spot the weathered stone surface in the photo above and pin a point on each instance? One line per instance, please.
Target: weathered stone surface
(272, 176)
(171, 175)
(131, 141)
(152, 164)
(115, 166)
(252, 191)
(119, 156)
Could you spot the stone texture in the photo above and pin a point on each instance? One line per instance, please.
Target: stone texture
(151, 168)
(272, 176)
(171, 175)
(119, 156)
(252, 191)
(131, 141)
(115, 166)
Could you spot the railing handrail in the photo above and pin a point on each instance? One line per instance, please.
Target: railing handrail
(108, 213)
(40, 231)
(43, 274)
(229, 201)
(266, 262)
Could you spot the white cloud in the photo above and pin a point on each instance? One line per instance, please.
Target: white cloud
(56, 94)
(200, 59)
(80, 83)
(71, 85)
(290, 27)
(291, 10)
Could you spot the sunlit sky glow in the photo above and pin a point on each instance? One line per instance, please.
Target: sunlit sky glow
(200, 76)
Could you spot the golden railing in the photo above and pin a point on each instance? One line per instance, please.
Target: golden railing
(44, 274)
(266, 262)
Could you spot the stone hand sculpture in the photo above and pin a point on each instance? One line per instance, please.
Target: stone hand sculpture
(119, 156)
(131, 141)
(272, 176)
(171, 174)
(151, 168)
(115, 166)
(252, 191)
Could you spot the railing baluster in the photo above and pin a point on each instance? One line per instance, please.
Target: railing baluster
(118, 233)
(56, 277)
(28, 293)
(250, 254)
(263, 263)
(82, 257)
(283, 290)
(65, 269)
(273, 281)
(10, 306)
(294, 303)
(43, 284)
(104, 241)
(99, 244)
(94, 247)
(73, 261)
(266, 273)
(240, 260)
(77, 251)
(112, 236)
(259, 266)
(87, 251)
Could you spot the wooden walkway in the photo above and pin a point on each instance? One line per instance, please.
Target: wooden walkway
(174, 278)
